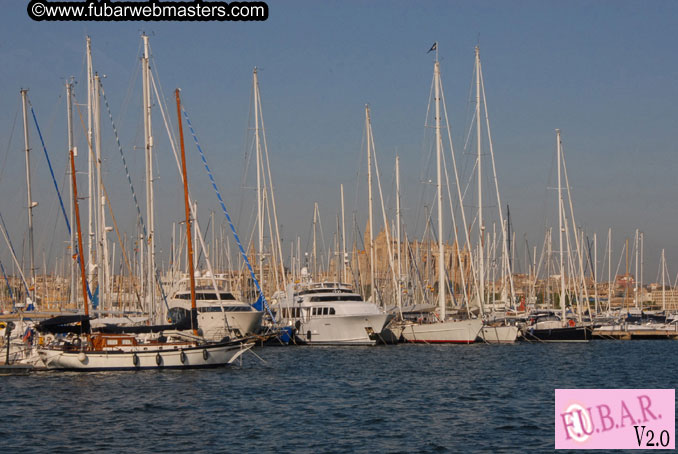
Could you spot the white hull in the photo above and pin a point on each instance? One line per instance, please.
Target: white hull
(461, 332)
(214, 327)
(505, 334)
(342, 330)
(138, 358)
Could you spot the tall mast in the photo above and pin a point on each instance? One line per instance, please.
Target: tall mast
(439, 187)
(77, 220)
(609, 267)
(260, 208)
(31, 204)
(400, 266)
(69, 109)
(90, 166)
(187, 210)
(148, 143)
(560, 232)
(595, 271)
(102, 258)
(368, 139)
(481, 226)
(640, 286)
(637, 274)
(663, 283)
(344, 277)
(315, 250)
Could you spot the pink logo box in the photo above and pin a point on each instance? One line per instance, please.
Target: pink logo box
(615, 418)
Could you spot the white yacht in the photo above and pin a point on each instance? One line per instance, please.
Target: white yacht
(220, 313)
(329, 313)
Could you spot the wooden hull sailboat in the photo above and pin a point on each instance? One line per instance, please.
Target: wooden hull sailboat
(124, 352)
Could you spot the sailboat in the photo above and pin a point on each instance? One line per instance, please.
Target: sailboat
(85, 351)
(438, 329)
(549, 326)
(496, 328)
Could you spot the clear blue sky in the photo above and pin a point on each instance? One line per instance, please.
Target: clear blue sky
(604, 72)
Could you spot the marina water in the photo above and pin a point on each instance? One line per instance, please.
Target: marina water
(387, 399)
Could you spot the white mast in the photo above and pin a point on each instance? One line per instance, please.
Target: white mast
(609, 268)
(102, 256)
(260, 209)
(148, 136)
(69, 109)
(635, 289)
(400, 267)
(595, 271)
(31, 204)
(663, 284)
(439, 188)
(344, 277)
(481, 226)
(560, 233)
(368, 132)
(90, 166)
(315, 250)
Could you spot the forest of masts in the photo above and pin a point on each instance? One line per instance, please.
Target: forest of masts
(483, 267)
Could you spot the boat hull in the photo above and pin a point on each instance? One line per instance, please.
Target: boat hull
(342, 330)
(505, 334)
(564, 334)
(207, 356)
(453, 332)
(215, 328)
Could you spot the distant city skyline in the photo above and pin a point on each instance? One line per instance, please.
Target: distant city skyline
(602, 72)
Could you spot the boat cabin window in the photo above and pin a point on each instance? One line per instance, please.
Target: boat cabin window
(332, 298)
(332, 312)
(226, 309)
(225, 296)
(291, 312)
(324, 290)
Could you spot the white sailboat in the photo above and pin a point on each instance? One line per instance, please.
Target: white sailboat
(441, 330)
(497, 330)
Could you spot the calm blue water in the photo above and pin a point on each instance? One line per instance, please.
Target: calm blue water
(391, 399)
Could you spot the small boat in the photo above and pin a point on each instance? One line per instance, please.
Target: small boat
(9, 367)
(494, 333)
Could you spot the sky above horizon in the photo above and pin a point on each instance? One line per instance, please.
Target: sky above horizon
(603, 72)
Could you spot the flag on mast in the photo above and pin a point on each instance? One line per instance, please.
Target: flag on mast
(433, 47)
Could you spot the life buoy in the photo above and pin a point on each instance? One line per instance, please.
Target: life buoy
(135, 360)
(205, 354)
(182, 357)
(3, 325)
(571, 323)
(158, 359)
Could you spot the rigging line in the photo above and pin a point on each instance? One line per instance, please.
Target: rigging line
(228, 218)
(82, 122)
(124, 161)
(51, 170)
(9, 143)
(129, 181)
(11, 250)
(9, 287)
